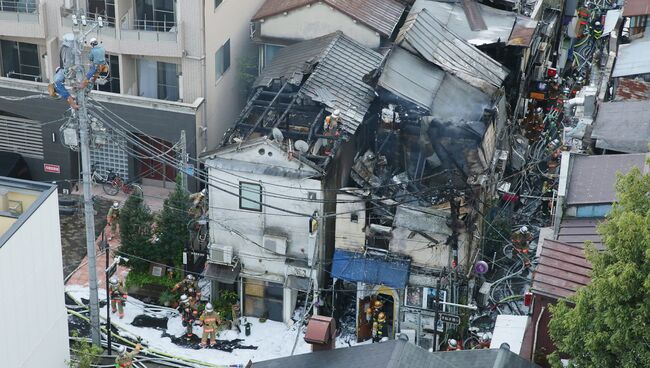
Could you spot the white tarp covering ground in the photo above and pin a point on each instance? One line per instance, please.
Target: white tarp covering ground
(273, 339)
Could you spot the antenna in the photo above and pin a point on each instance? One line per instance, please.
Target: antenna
(277, 135)
(302, 146)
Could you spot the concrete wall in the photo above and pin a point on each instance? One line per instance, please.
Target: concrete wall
(244, 229)
(224, 96)
(314, 21)
(31, 274)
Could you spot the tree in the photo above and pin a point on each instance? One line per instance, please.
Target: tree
(136, 231)
(172, 226)
(605, 324)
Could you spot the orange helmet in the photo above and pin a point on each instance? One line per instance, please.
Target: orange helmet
(369, 310)
(378, 304)
(381, 317)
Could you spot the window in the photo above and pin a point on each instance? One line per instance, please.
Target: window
(113, 84)
(158, 80)
(21, 136)
(250, 196)
(263, 298)
(424, 297)
(103, 8)
(222, 59)
(167, 82)
(20, 60)
(155, 15)
(268, 52)
(217, 3)
(19, 6)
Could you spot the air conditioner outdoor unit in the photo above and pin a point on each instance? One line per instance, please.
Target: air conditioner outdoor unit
(275, 244)
(221, 254)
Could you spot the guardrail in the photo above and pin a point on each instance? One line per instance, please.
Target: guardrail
(15, 6)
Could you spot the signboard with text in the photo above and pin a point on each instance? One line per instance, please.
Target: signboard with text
(51, 168)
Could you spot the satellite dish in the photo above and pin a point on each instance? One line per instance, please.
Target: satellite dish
(277, 135)
(302, 146)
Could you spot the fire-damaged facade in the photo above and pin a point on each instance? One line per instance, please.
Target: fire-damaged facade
(273, 238)
(430, 166)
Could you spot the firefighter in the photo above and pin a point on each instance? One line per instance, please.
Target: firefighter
(124, 358)
(452, 345)
(378, 325)
(210, 321)
(484, 341)
(188, 314)
(57, 88)
(331, 129)
(113, 219)
(97, 57)
(188, 283)
(520, 240)
(235, 309)
(118, 296)
(199, 204)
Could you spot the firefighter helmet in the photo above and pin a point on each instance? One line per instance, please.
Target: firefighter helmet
(190, 291)
(204, 192)
(381, 317)
(116, 205)
(184, 299)
(369, 310)
(209, 308)
(190, 277)
(484, 338)
(121, 349)
(93, 41)
(378, 304)
(113, 281)
(336, 113)
(452, 343)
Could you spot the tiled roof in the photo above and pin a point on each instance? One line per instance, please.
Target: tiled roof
(336, 65)
(561, 270)
(380, 15)
(576, 231)
(425, 35)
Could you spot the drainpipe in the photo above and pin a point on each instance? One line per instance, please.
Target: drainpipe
(539, 318)
(570, 104)
(502, 356)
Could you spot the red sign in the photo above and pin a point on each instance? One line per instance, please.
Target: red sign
(50, 168)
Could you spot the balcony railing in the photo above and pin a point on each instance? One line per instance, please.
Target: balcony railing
(149, 30)
(19, 6)
(29, 77)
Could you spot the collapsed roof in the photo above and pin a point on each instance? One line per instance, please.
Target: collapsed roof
(303, 83)
(425, 35)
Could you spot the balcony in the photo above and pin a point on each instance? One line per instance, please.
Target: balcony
(150, 38)
(22, 18)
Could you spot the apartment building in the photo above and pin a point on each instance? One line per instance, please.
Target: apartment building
(29, 226)
(173, 66)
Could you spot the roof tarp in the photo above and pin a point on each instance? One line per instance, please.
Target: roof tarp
(356, 267)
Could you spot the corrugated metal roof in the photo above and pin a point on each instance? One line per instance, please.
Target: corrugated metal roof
(632, 90)
(623, 126)
(411, 78)
(576, 231)
(336, 65)
(425, 35)
(636, 7)
(592, 179)
(380, 15)
(632, 59)
(499, 22)
(561, 270)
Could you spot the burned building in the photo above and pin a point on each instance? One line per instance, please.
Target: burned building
(272, 232)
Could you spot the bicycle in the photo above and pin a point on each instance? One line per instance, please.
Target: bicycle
(115, 183)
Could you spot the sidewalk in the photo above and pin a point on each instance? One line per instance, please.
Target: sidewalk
(80, 275)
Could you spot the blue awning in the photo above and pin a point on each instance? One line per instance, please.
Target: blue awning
(356, 267)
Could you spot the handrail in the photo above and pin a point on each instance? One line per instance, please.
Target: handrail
(16, 6)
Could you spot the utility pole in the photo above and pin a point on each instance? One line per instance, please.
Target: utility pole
(184, 160)
(84, 143)
(435, 319)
